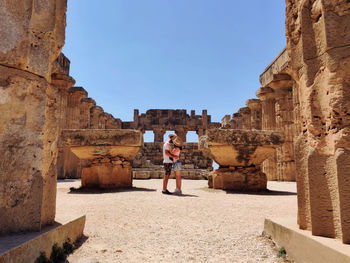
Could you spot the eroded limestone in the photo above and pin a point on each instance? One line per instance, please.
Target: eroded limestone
(240, 154)
(108, 154)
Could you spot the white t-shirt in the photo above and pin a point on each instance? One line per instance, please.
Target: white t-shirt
(166, 159)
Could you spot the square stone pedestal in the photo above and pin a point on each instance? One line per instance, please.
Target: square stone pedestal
(240, 179)
(111, 174)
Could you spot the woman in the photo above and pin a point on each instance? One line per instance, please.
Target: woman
(177, 166)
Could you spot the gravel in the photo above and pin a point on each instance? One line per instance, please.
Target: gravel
(204, 225)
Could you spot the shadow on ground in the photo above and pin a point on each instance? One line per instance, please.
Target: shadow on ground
(78, 244)
(82, 190)
(67, 180)
(186, 195)
(267, 192)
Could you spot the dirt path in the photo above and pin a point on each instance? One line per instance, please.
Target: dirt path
(204, 225)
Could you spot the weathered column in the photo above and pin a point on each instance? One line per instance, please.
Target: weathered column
(102, 120)
(181, 132)
(318, 41)
(267, 97)
(86, 105)
(75, 95)
(72, 164)
(112, 123)
(245, 112)
(136, 119)
(95, 113)
(255, 108)
(205, 119)
(62, 82)
(32, 34)
(284, 122)
(158, 134)
(238, 120)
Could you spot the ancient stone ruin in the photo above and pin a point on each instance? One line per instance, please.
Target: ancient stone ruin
(318, 46)
(108, 155)
(240, 154)
(272, 111)
(149, 162)
(304, 94)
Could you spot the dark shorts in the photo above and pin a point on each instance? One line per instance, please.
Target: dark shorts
(167, 168)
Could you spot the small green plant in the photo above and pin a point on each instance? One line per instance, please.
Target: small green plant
(282, 253)
(42, 258)
(57, 254)
(68, 246)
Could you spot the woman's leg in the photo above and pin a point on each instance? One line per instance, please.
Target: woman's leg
(178, 179)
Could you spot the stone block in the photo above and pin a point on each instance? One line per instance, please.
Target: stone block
(108, 154)
(106, 176)
(240, 179)
(240, 154)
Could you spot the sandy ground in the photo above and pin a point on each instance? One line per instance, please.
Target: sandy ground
(203, 225)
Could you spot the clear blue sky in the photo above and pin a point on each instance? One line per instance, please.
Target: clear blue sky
(172, 54)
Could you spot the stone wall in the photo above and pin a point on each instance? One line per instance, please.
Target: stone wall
(278, 114)
(161, 120)
(318, 44)
(149, 161)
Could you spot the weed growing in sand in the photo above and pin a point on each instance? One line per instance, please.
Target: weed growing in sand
(282, 253)
(58, 254)
(68, 246)
(42, 258)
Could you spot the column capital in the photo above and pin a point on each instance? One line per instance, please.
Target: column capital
(265, 93)
(254, 104)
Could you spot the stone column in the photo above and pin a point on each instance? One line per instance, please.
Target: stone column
(32, 35)
(75, 95)
(102, 120)
(63, 83)
(237, 119)
(112, 123)
(136, 119)
(158, 135)
(95, 113)
(72, 164)
(284, 121)
(267, 97)
(246, 118)
(255, 108)
(86, 105)
(318, 40)
(205, 119)
(181, 132)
